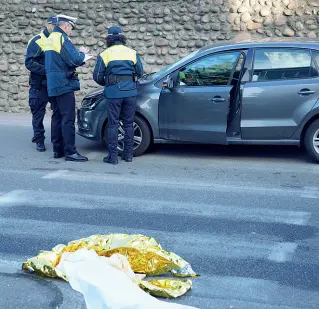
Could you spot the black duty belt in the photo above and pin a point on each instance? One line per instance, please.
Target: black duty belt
(115, 79)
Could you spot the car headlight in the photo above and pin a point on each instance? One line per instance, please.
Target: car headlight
(91, 102)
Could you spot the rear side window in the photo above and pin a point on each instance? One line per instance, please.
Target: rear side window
(283, 63)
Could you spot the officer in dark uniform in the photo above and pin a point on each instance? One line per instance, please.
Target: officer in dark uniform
(61, 61)
(38, 94)
(118, 68)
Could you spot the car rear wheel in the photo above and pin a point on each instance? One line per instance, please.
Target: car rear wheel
(141, 140)
(311, 140)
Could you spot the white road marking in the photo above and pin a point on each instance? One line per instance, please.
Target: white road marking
(282, 252)
(9, 266)
(86, 201)
(310, 192)
(218, 246)
(171, 183)
(226, 246)
(12, 197)
(56, 175)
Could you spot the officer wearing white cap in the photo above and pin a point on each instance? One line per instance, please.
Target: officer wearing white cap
(38, 94)
(61, 61)
(118, 68)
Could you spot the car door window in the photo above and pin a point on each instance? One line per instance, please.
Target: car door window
(282, 64)
(213, 70)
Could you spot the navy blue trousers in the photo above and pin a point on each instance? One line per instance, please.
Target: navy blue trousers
(38, 100)
(62, 123)
(123, 109)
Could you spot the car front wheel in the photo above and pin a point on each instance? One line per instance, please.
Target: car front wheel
(312, 140)
(141, 140)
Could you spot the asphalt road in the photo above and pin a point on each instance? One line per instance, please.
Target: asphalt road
(246, 218)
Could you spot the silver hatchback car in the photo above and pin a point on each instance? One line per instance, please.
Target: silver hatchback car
(263, 93)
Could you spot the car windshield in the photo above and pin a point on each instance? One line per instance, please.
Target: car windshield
(175, 64)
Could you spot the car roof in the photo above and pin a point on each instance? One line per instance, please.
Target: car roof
(268, 42)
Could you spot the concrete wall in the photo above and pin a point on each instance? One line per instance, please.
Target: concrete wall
(161, 31)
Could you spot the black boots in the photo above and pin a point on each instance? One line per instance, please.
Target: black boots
(58, 155)
(76, 157)
(127, 157)
(111, 160)
(40, 146)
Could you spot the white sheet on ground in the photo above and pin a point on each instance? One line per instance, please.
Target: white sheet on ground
(106, 283)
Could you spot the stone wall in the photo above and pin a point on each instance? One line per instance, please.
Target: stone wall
(161, 31)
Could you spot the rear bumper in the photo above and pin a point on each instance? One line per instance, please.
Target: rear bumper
(88, 124)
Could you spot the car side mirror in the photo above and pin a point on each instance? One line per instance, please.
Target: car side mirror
(168, 83)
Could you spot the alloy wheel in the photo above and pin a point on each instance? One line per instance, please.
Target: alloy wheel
(138, 136)
(315, 141)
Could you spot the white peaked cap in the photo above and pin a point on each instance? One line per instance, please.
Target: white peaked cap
(69, 19)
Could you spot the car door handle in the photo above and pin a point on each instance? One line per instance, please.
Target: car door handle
(218, 99)
(306, 92)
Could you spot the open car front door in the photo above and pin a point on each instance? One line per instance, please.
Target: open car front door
(195, 106)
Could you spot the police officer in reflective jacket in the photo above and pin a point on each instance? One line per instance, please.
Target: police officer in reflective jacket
(38, 95)
(118, 68)
(61, 61)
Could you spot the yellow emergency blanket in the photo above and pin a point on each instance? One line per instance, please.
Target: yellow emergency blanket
(166, 287)
(145, 256)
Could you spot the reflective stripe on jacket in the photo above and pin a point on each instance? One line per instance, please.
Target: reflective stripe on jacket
(34, 59)
(118, 60)
(61, 59)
